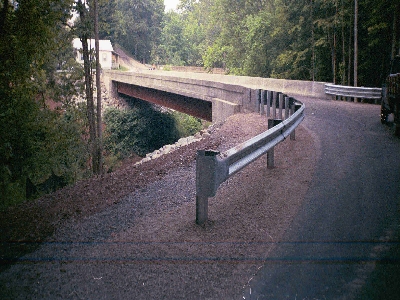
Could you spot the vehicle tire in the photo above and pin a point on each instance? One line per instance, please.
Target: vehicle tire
(397, 130)
(397, 118)
(384, 111)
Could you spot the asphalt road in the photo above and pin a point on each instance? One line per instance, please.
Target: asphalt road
(344, 242)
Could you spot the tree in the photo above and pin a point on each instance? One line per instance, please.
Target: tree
(107, 19)
(172, 45)
(139, 130)
(85, 30)
(183, 35)
(38, 141)
(138, 26)
(99, 143)
(306, 39)
(376, 38)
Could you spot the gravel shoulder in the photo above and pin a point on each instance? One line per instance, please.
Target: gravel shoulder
(132, 233)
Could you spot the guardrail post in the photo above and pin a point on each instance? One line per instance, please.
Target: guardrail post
(287, 100)
(206, 162)
(269, 101)
(292, 111)
(201, 209)
(270, 153)
(255, 96)
(281, 96)
(274, 96)
(263, 100)
(293, 134)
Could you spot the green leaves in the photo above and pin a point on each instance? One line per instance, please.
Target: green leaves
(305, 40)
(182, 38)
(136, 26)
(37, 71)
(143, 129)
(139, 131)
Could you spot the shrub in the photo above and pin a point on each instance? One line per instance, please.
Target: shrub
(139, 130)
(186, 124)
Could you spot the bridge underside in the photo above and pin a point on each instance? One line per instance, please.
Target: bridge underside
(188, 105)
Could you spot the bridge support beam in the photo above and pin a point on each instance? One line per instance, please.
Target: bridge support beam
(192, 106)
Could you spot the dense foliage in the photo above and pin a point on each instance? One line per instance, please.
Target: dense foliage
(144, 128)
(187, 125)
(37, 72)
(305, 40)
(138, 130)
(133, 24)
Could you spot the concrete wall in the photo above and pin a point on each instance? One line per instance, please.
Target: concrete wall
(222, 109)
(191, 69)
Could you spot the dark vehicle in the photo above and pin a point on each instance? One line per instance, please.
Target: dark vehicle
(390, 107)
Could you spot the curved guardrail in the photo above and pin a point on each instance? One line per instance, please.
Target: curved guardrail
(213, 168)
(353, 92)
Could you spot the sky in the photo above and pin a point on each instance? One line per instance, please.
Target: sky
(170, 4)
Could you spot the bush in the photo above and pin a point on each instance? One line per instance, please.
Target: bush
(187, 125)
(139, 130)
(143, 129)
(40, 152)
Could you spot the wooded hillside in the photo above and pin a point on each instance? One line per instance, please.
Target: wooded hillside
(305, 39)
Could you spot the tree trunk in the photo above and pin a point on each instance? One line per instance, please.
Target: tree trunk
(343, 70)
(98, 169)
(88, 84)
(349, 53)
(334, 57)
(89, 95)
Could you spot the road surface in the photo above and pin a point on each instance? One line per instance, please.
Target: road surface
(344, 242)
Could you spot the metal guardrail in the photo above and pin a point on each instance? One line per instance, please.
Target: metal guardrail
(213, 168)
(353, 92)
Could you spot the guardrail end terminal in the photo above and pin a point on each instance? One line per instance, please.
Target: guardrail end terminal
(205, 182)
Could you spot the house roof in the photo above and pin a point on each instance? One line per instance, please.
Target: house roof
(104, 45)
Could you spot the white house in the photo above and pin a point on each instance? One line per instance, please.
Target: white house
(108, 58)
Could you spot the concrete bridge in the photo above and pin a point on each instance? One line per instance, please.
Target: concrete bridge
(211, 97)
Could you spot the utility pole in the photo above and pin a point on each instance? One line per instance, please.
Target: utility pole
(355, 45)
(312, 41)
(355, 42)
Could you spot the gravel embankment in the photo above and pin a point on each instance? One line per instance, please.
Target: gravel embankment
(131, 234)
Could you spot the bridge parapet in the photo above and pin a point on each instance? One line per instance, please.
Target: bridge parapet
(191, 87)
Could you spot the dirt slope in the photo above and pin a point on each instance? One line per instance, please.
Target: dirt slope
(127, 61)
